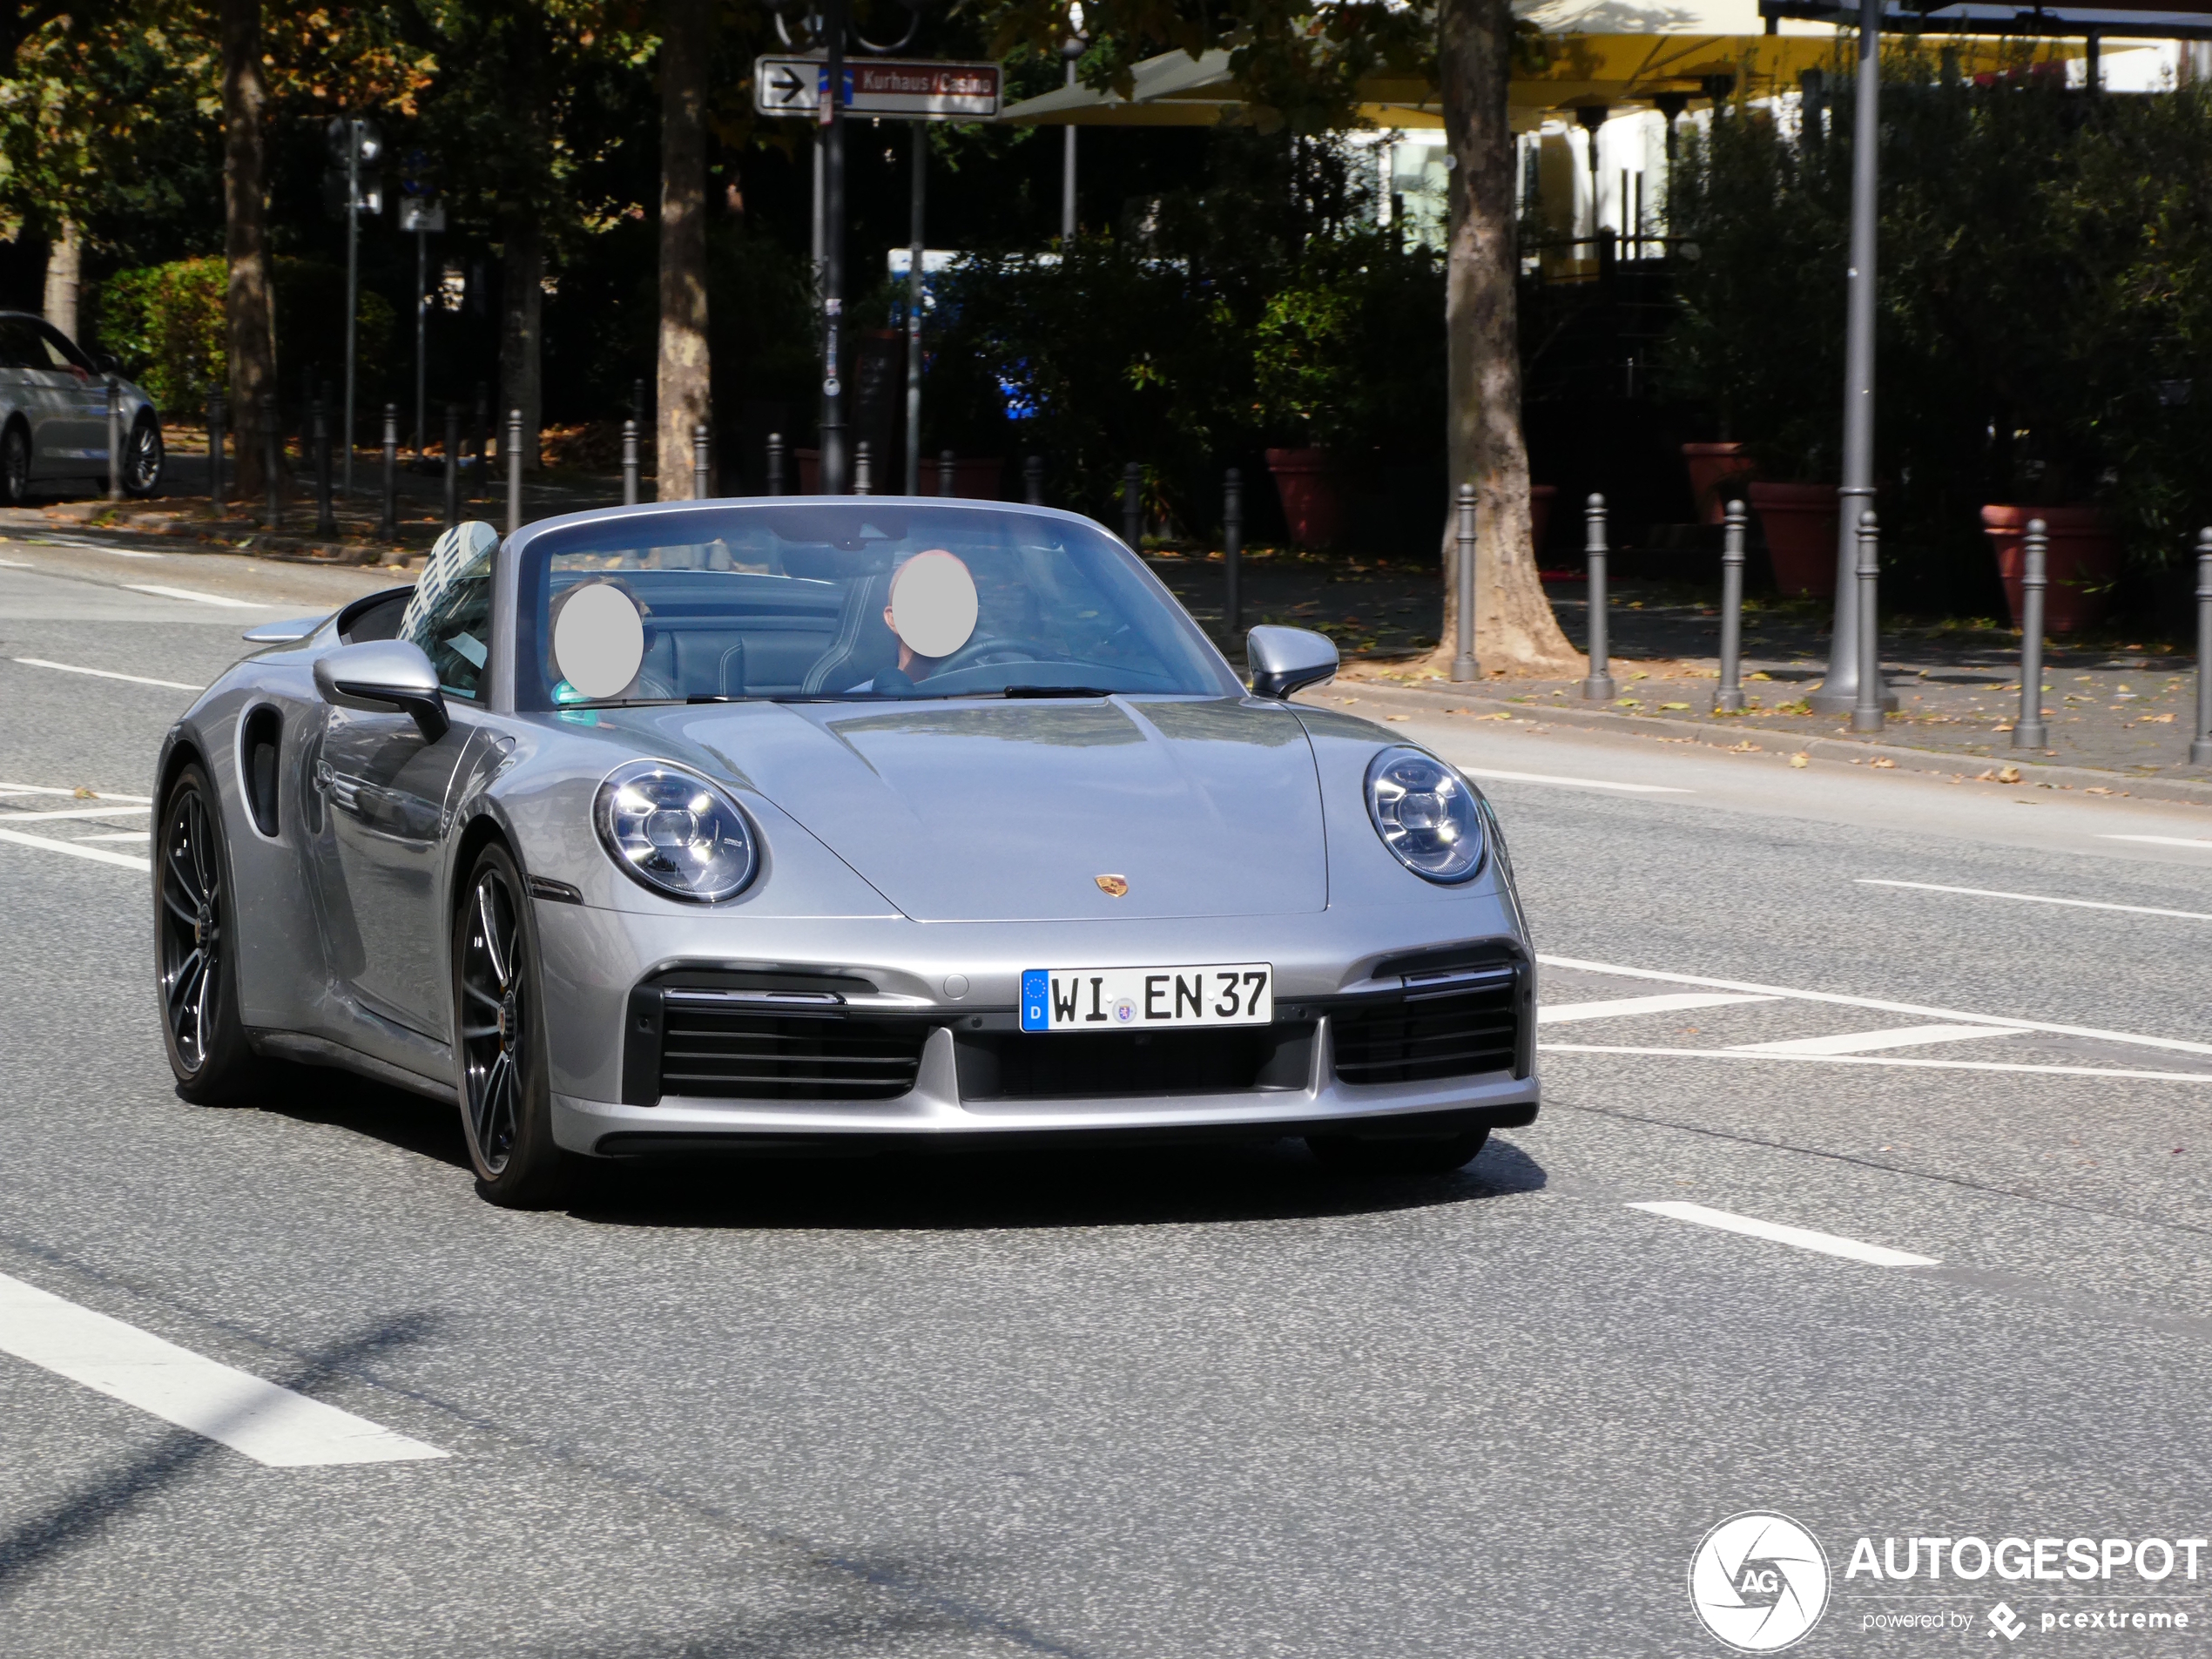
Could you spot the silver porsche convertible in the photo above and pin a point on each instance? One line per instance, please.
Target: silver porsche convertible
(833, 822)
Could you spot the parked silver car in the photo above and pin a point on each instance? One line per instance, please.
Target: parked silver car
(53, 413)
(834, 821)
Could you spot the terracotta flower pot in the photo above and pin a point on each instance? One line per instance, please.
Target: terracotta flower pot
(1800, 524)
(1713, 468)
(1310, 485)
(1540, 497)
(2082, 561)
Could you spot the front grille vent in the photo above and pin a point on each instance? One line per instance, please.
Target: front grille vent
(1018, 1065)
(782, 1045)
(1450, 1024)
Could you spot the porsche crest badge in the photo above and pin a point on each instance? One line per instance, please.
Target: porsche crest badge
(1113, 886)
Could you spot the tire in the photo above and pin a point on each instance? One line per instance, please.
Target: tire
(143, 456)
(1359, 1155)
(499, 1041)
(15, 465)
(196, 948)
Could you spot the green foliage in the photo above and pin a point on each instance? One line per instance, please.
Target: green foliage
(164, 325)
(2044, 301)
(1351, 343)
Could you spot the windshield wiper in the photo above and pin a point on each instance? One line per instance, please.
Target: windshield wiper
(1042, 691)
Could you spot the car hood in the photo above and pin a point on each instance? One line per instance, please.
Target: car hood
(1011, 811)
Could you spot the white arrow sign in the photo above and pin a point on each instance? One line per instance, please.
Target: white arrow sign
(914, 89)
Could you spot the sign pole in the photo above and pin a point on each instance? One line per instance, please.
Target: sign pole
(421, 312)
(352, 285)
(832, 119)
(914, 312)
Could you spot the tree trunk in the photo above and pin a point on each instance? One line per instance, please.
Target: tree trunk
(248, 316)
(682, 385)
(522, 330)
(1515, 632)
(64, 266)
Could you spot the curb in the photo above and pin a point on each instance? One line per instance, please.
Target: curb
(2039, 774)
(284, 549)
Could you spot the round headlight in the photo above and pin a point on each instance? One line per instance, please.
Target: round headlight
(1427, 815)
(675, 832)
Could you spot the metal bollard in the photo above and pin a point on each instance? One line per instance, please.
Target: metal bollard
(115, 461)
(1232, 551)
(215, 453)
(2201, 744)
(1033, 481)
(2028, 731)
(389, 528)
(1599, 687)
(775, 463)
(1866, 713)
(629, 463)
(513, 447)
(1133, 506)
(947, 474)
(700, 489)
(452, 465)
(326, 521)
(1728, 698)
(272, 454)
(863, 483)
(480, 431)
(1463, 664)
(637, 399)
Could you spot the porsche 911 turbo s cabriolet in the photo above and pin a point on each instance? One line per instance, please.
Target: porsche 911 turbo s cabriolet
(839, 821)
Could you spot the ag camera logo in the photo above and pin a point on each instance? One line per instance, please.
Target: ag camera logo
(1760, 1582)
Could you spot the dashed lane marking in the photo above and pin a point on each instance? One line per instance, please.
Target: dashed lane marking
(74, 812)
(77, 850)
(271, 1424)
(198, 597)
(1798, 1237)
(48, 789)
(1902, 1036)
(106, 674)
(1574, 783)
(1618, 1007)
(2038, 898)
(2161, 841)
(1880, 1060)
(1838, 998)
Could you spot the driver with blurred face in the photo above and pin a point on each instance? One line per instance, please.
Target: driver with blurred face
(931, 611)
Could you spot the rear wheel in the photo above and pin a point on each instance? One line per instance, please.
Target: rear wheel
(141, 457)
(14, 464)
(506, 1101)
(1376, 1155)
(196, 946)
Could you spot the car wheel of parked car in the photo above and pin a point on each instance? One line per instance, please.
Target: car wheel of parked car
(15, 465)
(142, 459)
(196, 945)
(506, 1101)
(1365, 1155)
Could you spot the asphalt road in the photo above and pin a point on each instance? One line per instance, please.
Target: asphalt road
(1161, 1403)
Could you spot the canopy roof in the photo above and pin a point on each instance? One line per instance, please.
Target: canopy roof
(1608, 70)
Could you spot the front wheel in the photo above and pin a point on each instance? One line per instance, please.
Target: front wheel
(143, 457)
(1428, 1154)
(499, 1028)
(196, 945)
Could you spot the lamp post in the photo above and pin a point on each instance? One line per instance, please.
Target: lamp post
(834, 478)
(355, 145)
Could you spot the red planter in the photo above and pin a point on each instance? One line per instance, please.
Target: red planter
(1713, 468)
(1540, 497)
(1310, 485)
(976, 477)
(1799, 521)
(2082, 561)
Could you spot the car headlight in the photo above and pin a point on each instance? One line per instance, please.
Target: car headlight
(1427, 815)
(674, 832)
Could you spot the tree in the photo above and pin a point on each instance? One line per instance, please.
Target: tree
(682, 383)
(249, 315)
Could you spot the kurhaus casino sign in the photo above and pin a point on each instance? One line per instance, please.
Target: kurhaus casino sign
(914, 89)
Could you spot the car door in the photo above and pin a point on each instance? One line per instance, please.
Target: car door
(47, 397)
(81, 399)
(388, 796)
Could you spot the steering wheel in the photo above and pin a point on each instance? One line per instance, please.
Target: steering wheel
(978, 653)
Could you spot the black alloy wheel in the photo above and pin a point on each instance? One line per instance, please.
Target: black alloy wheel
(143, 457)
(506, 1105)
(195, 931)
(1359, 1155)
(14, 464)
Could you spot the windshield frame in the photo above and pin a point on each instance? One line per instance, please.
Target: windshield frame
(524, 570)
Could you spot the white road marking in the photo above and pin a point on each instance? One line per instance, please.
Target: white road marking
(2161, 840)
(1574, 783)
(1840, 1000)
(271, 1424)
(2038, 898)
(117, 835)
(1801, 1237)
(198, 597)
(48, 789)
(73, 812)
(107, 674)
(1560, 1013)
(18, 564)
(1879, 1060)
(1902, 1036)
(76, 849)
(48, 540)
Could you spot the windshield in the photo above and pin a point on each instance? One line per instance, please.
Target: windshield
(837, 601)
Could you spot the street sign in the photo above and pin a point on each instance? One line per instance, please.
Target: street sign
(912, 88)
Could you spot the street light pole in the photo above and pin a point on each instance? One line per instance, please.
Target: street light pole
(421, 310)
(914, 312)
(353, 283)
(1838, 693)
(834, 480)
(1070, 51)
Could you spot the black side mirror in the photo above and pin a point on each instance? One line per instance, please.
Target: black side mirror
(104, 362)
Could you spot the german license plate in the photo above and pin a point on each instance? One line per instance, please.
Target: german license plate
(1147, 999)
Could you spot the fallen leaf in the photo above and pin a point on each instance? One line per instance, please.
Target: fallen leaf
(1746, 747)
(2166, 719)
(1884, 762)
(1493, 716)
(1800, 761)
(2008, 774)
(1386, 716)
(1663, 706)
(1761, 675)
(83, 793)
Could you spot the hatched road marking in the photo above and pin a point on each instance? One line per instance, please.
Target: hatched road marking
(107, 674)
(1902, 1036)
(1574, 783)
(196, 597)
(2038, 898)
(1560, 1013)
(1799, 1237)
(77, 850)
(1881, 1060)
(2161, 840)
(48, 789)
(271, 1424)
